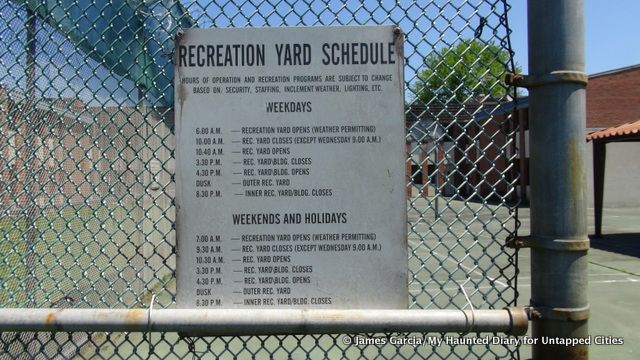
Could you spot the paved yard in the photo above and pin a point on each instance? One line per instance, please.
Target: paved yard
(460, 247)
(614, 282)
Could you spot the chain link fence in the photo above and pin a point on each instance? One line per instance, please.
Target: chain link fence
(86, 172)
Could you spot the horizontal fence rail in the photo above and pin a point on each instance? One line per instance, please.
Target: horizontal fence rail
(238, 322)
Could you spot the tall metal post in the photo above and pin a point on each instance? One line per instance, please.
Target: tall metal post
(559, 242)
(30, 54)
(31, 234)
(599, 162)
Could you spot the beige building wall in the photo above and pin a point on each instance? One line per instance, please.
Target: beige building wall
(622, 175)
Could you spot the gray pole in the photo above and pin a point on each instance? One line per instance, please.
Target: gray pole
(558, 242)
(30, 54)
(31, 234)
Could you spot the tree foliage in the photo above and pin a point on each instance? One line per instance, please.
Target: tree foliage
(469, 69)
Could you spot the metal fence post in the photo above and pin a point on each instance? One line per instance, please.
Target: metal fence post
(559, 241)
(31, 179)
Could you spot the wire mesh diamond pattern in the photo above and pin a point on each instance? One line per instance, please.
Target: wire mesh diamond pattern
(87, 166)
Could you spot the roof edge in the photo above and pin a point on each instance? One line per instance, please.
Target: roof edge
(615, 71)
(615, 132)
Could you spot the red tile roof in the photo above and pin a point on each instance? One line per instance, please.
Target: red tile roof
(616, 131)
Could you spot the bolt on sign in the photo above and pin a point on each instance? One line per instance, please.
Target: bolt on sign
(290, 168)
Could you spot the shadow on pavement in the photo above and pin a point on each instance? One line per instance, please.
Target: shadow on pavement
(626, 244)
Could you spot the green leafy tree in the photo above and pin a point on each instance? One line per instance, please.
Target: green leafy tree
(469, 69)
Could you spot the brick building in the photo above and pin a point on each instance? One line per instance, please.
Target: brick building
(61, 152)
(461, 151)
(613, 97)
(480, 131)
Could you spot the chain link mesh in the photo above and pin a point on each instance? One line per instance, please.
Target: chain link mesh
(86, 172)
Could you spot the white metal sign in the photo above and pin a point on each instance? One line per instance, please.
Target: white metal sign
(290, 163)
